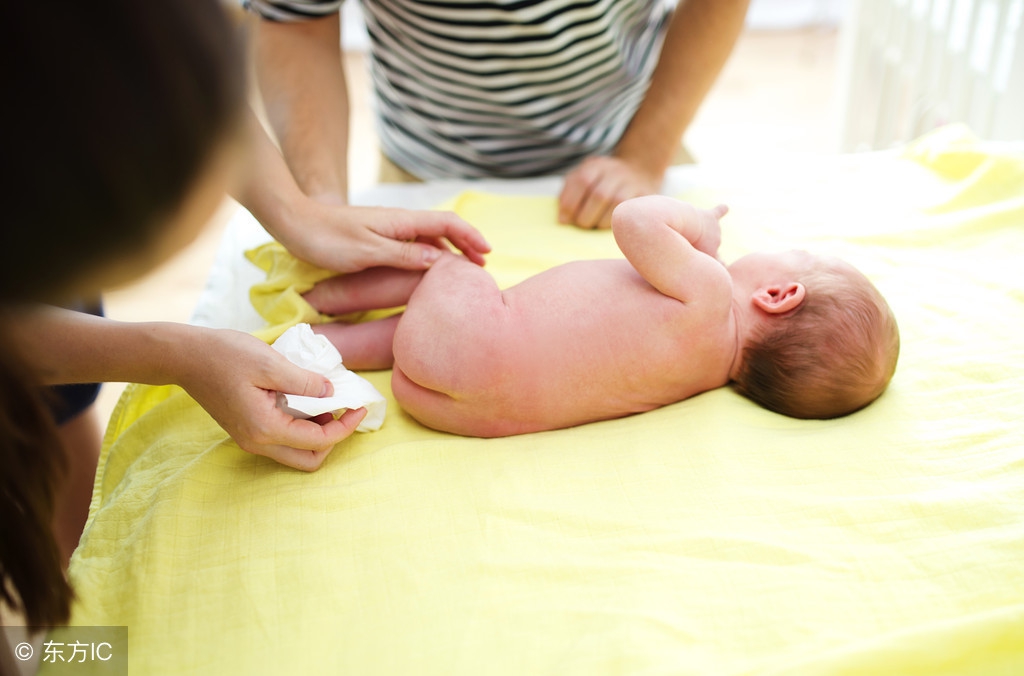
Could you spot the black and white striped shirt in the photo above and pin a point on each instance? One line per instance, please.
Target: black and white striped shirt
(503, 88)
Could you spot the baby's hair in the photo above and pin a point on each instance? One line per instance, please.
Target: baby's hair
(831, 356)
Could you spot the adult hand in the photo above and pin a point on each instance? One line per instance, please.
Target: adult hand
(348, 239)
(236, 378)
(594, 188)
(323, 230)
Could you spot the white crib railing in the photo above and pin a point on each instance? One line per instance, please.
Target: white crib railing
(908, 66)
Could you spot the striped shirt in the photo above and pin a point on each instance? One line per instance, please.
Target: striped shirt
(501, 88)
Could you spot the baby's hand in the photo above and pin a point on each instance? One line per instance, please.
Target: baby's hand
(710, 230)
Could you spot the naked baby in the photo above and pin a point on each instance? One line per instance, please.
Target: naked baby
(802, 335)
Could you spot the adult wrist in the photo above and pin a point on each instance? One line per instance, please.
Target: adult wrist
(278, 210)
(652, 159)
(330, 198)
(167, 353)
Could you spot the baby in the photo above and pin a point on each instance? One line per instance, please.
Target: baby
(802, 335)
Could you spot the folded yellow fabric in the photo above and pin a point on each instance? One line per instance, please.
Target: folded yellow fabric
(280, 295)
(707, 537)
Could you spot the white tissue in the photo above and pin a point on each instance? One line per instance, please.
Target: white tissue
(304, 348)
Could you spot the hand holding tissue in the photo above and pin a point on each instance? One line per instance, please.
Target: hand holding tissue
(304, 348)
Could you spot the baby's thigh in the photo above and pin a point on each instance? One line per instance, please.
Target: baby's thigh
(428, 407)
(369, 289)
(450, 326)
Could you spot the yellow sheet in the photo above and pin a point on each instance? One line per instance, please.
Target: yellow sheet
(707, 537)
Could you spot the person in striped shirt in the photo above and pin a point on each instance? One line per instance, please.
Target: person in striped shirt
(599, 90)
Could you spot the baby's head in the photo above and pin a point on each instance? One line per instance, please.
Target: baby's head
(818, 340)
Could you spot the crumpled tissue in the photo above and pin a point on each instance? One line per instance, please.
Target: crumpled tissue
(304, 348)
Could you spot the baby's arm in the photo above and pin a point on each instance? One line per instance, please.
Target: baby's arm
(672, 244)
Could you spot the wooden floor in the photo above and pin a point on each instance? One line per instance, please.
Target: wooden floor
(775, 96)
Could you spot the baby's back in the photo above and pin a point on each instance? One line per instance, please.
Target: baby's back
(585, 341)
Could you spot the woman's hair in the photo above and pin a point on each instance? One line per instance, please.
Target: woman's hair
(111, 111)
(831, 356)
(30, 562)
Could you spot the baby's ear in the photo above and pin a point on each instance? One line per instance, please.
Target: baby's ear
(777, 299)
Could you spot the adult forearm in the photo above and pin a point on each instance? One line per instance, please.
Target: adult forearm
(235, 377)
(302, 82)
(700, 37)
(63, 346)
(269, 190)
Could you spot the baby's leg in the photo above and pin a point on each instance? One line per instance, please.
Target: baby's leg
(365, 346)
(448, 338)
(371, 289)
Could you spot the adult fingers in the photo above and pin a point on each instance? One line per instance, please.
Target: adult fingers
(462, 235)
(309, 435)
(404, 255)
(591, 192)
(427, 225)
(437, 242)
(305, 445)
(413, 246)
(291, 379)
(306, 461)
(596, 210)
(577, 184)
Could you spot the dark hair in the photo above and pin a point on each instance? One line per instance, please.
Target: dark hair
(833, 355)
(111, 111)
(30, 562)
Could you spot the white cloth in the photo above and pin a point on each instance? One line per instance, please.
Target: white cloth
(304, 348)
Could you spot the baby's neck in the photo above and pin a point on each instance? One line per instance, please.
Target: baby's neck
(742, 324)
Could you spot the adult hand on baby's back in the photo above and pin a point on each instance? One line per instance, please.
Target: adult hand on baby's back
(349, 239)
(594, 188)
(236, 378)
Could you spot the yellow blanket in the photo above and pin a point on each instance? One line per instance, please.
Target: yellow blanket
(707, 537)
